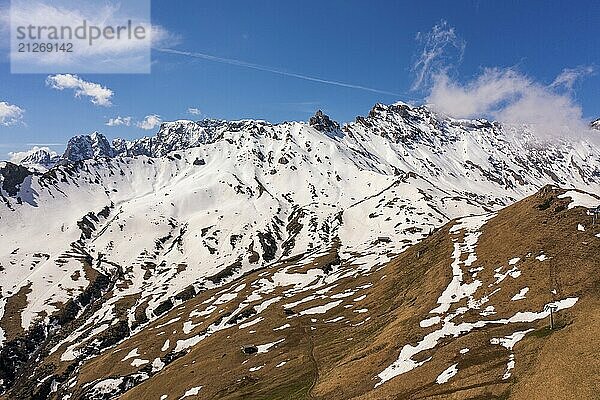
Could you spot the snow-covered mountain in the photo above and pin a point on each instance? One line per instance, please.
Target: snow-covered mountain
(42, 156)
(38, 158)
(116, 235)
(185, 134)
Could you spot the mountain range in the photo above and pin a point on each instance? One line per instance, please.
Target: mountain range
(406, 254)
(180, 135)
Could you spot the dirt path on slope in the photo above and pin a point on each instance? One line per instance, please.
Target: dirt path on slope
(311, 354)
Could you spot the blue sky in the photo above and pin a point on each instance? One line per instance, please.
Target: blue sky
(369, 44)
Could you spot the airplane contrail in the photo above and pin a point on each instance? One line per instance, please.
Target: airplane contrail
(259, 67)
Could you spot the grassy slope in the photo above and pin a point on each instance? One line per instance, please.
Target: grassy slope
(341, 360)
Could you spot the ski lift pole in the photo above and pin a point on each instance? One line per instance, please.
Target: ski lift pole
(551, 307)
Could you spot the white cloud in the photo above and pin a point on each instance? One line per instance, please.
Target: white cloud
(17, 157)
(509, 97)
(10, 114)
(149, 122)
(99, 94)
(194, 111)
(4, 27)
(119, 121)
(569, 76)
(161, 37)
(4, 18)
(439, 48)
(479, 96)
(105, 54)
(547, 112)
(505, 95)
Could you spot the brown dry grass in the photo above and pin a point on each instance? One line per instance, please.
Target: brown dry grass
(11, 321)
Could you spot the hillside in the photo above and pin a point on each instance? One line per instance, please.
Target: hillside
(460, 315)
(129, 263)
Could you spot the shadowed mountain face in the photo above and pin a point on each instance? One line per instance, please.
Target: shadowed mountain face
(251, 260)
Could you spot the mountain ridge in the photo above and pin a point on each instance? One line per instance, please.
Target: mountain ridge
(184, 134)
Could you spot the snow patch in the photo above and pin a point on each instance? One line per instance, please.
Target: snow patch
(447, 374)
(321, 309)
(250, 323)
(426, 323)
(509, 343)
(264, 348)
(579, 199)
(521, 294)
(457, 289)
(133, 353)
(138, 362)
(191, 392)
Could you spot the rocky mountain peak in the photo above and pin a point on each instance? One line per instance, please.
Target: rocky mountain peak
(595, 124)
(42, 156)
(323, 123)
(399, 108)
(84, 147)
(178, 128)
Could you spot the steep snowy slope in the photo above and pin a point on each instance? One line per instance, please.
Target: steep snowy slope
(95, 249)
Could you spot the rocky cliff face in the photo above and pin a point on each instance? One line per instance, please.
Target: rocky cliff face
(178, 135)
